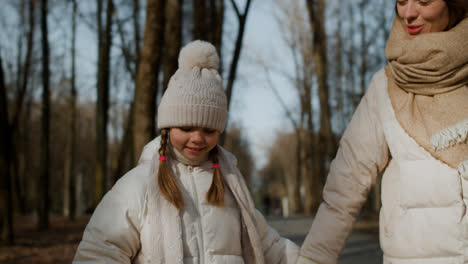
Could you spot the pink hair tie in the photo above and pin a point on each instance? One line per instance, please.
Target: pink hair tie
(161, 158)
(216, 166)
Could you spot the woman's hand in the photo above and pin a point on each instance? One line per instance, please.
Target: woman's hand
(304, 260)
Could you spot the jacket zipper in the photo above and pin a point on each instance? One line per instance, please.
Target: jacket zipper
(196, 199)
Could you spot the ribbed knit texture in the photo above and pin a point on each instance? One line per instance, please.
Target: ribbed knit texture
(195, 95)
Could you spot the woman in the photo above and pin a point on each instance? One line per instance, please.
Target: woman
(412, 123)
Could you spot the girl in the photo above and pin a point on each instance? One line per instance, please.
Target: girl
(186, 201)
(412, 123)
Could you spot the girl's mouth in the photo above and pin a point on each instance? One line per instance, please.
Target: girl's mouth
(413, 30)
(194, 150)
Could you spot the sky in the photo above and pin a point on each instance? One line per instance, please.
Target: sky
(255, 106)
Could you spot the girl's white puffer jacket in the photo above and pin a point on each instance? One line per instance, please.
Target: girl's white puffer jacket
(134, 224)
(423, 215)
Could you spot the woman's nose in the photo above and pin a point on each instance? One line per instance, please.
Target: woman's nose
(411, 11)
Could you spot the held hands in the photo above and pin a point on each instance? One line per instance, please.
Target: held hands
(304, 260)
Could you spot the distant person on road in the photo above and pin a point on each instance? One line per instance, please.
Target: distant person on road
(186, 201)
(413, 123)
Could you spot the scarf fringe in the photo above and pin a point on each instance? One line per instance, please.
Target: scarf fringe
(450, 136)
(463, 168)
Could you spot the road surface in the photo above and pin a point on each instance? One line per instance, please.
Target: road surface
(362, 246)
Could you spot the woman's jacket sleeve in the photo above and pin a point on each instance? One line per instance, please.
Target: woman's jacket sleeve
(112, 235)
(362, 155)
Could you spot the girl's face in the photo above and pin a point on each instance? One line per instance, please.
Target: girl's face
(423, 16)
(193, 142)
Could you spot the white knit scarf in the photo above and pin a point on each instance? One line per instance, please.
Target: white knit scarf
(166, 225)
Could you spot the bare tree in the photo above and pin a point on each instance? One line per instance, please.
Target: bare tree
(126, 157)
(242, 17)
(26, 67)
(292, 185)
(24, 70)
(69, 204)
(103, 86)
(147, 76)
(199, 20)
(239, 146)
(6, 201)
(364, 47)
(351, 61)
(295, 30)
(172, 38)
(45, 149)
(325, 148)
(136, 30)
(208, 18)
(217, 18)
(282, 159)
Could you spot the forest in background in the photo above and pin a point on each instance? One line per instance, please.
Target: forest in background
(69, 133)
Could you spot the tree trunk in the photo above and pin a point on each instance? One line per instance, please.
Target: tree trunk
(218, 39)
(292, 179)
(325, 148)
(173, 39)
(45, 150)
(364, 48)
(19, 57)
(70, 174)
(147, 76)
(126, 148)
(339, 84)
(292, 186)
(237, 50)
(26, 69)
(351, 63)
(17, 162)
(126, 157)
(136, 31)
(199, 20)
(235, 57)
(310, 174)
(102, 116)
(217, 20)
(306, 174)
(6, 200)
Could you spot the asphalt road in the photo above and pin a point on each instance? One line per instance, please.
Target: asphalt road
(362, 247)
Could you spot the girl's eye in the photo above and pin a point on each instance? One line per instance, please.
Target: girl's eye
(209, 130)
(186, 129)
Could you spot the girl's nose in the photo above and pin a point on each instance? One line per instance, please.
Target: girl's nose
(197, 136)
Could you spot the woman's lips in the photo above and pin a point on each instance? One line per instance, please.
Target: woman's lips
(413, 30)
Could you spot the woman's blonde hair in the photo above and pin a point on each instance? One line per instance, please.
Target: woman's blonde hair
(168, 184)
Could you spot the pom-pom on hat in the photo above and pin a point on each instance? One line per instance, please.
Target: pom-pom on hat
(195, 95)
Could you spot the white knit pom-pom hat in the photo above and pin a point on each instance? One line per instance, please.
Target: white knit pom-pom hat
(195, 96)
